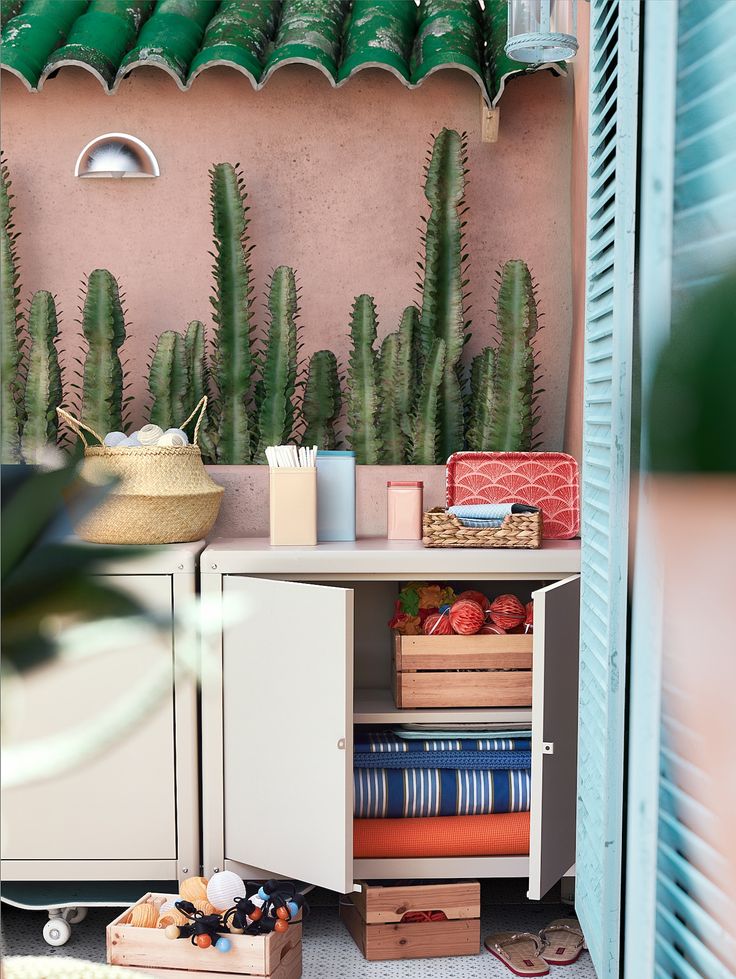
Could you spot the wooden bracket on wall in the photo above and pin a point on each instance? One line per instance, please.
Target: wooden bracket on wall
(489, 120)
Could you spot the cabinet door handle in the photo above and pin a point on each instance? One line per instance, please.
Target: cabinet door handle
(341, 744)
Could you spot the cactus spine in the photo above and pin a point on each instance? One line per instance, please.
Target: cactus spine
(443, 299)
(43, 381)
(425, 419)
(103, 325)
(198, 384)
(363, 383)
(277, 384)
(481, 401)
(512, 418)
(232, 305)
(10, 407)
(322, 401)
(168, 382)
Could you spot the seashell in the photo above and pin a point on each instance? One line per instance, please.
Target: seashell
(172, 439)
(180, 432)
(114, 438)
(149, 434)
(205, 907)
(132, 440)
(171, 916)
(144, 915)
(194, 889)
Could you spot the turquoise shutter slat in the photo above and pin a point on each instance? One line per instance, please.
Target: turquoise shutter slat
(612, 175)
(688, 238)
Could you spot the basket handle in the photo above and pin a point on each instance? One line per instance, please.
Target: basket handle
(78, 427)
(198, 410)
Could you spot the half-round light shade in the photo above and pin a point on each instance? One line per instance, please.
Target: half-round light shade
(223, 888)
(541, 31)
(116, 155)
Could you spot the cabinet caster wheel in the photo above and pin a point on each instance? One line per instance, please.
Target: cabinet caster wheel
(57, 931)
(76, 915)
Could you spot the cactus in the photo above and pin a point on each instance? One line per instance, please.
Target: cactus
(103, 325)
(277, 384)
(393, 440)
(478, 436)
(512, 418)
(43, 381)
(168, 382)
(198, 384)
(363, 383)
(426, 425)
(322, 401)
(443, 298)
(409, 359)
(10, 407)
(233, 365)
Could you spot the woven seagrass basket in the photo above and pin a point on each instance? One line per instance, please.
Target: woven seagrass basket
(442, 529)
(163, 494)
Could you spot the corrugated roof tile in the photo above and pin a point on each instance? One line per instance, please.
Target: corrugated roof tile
(111, 38)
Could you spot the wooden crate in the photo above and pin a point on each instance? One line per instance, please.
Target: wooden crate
(374, 919)
(278, 955)
(462, 671)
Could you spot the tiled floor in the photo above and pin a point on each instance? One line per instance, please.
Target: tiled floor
(329, 952)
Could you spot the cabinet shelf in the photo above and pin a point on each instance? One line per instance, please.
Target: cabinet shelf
(377, 707)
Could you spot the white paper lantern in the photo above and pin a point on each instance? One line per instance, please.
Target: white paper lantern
(223, 888)
(540, 31)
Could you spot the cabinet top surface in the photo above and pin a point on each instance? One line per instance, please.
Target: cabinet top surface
(378, 556)
(150, 559)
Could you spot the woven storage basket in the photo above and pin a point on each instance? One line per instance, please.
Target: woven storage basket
(442, 529)
(163, 494)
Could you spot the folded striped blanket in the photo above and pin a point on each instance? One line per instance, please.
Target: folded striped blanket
(467, 760)
(381, 793)
(382, 742)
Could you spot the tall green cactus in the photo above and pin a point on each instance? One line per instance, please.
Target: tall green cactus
(43, 381)
(103, 325)
(363, 434)
(409, 361)
(443, 298)
(10, 352)
(232, 305)
(512, 419)
(277, 383)
(426, 419)
(168, 381)
(198, 385)
(393, 440)
(322, 401)
(478, 436)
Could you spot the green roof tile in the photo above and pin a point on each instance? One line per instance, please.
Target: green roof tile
(111, 38)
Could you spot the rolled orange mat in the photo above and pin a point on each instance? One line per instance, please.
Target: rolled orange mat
(499, 834)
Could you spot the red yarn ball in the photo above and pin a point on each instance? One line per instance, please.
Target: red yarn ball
(437, 625)
(476, 596)
(507, 611)
(489, 629)
(466, 617)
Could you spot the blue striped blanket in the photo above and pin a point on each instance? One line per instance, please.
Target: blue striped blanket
(385, 793)
(382, 742)
(466, 760)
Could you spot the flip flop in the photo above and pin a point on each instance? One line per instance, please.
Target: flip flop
(562, 941)
(519, 952)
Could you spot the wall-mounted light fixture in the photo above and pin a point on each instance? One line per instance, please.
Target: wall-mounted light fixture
(116, 155)
(540, 31)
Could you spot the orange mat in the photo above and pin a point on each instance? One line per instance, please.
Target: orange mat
(500, 834)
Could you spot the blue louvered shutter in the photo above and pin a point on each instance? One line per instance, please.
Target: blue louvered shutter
(688, 238)
(612, 184)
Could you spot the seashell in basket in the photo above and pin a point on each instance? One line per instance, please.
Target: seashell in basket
(194, 889)
(144, 915)
(171, 916)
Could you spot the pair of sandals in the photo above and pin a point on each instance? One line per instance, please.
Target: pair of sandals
(525, 954)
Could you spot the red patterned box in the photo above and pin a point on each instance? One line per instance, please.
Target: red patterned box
(548, 480)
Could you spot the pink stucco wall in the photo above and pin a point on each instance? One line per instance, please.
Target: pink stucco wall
(335, 188)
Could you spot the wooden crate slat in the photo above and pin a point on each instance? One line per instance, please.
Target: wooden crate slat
(409, 941)
(289, 968)
(389, 904)
(474, 689)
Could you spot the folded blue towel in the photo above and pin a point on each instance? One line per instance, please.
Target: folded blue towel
(490, 511)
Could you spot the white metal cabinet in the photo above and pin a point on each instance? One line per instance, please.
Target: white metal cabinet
(278, 705)
(131, 811)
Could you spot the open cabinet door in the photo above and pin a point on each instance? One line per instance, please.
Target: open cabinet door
(287, 729)
(554, 734)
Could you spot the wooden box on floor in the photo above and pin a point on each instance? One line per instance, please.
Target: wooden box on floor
(463, 671)
(278, 956)
(374, 919)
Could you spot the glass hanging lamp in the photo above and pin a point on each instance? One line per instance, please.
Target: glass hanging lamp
(540, 31)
